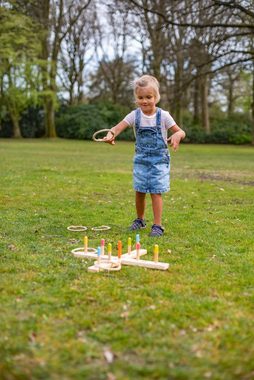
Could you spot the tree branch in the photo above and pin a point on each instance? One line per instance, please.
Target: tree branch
(191, 24)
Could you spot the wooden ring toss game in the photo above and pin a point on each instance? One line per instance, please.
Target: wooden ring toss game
(108, 262)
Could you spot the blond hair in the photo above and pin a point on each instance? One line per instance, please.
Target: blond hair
(145, 81)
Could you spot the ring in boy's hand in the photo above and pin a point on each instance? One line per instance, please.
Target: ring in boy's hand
(169, 139)
(102, 130)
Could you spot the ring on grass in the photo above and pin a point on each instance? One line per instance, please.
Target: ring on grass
(102, 130)
(77, 228)
(108, 266)
(82, 250)
(101, 228)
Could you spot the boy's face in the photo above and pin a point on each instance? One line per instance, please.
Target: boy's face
(145, 98)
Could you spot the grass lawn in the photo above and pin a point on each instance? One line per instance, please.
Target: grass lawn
(194, 321)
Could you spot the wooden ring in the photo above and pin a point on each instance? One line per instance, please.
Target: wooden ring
(101, 228)
(77, 228)
(82, 250)
(108, 266)
(102, 130)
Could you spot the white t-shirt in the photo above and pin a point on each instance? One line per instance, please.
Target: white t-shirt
(167, 121)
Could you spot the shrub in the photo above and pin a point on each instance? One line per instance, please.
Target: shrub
(233, 130)
(112, 114)
(32, 122)
(6, 128)
(79, 122)
(195, 135)
(239, 139)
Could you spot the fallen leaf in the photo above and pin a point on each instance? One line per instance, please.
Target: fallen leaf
(32, 337)
(108, 355)
(12, 247)
(73, 241)
(124, 314)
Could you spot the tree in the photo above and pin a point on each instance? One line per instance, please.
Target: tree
(112, 82)
(76, 53)
(19, 79)
(56, 18)
(232, 21)
(116, 69)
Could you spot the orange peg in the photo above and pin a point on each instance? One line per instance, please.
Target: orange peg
(119, 249)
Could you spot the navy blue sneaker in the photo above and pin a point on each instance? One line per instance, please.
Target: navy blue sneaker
(138, 224)
(156, 230)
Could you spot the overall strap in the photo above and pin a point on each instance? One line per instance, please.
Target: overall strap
(137, 118)
(158, 117)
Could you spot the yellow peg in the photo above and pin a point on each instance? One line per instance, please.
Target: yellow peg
(85, 244)
(156, 253)
(109, 250)
(129, 245)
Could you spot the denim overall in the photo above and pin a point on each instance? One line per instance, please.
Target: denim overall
(152, 160)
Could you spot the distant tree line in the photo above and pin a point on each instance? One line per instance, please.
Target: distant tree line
(59, 55)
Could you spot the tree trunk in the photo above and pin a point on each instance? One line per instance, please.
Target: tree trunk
(252, 103)
(16, 126)
(44, 19)
(50, 117)
(230, 95)
(71, 94)
(196, 99)
(204, 104)
(178, 89)
(50, 103)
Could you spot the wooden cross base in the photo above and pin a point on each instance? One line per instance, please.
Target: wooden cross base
(126, 259)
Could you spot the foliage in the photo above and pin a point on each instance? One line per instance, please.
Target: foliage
(244, 98)
(81, 121)
(58, 321)
(114, 113)
(19, 49)
(6, 127)
(17, 38)
(224, 130)
(31, 123)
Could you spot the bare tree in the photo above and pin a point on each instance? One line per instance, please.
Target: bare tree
(76, 53)
(60, 10)
(233, 23)
(116, 68)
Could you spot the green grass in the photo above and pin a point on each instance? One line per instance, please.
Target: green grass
(194, 321)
